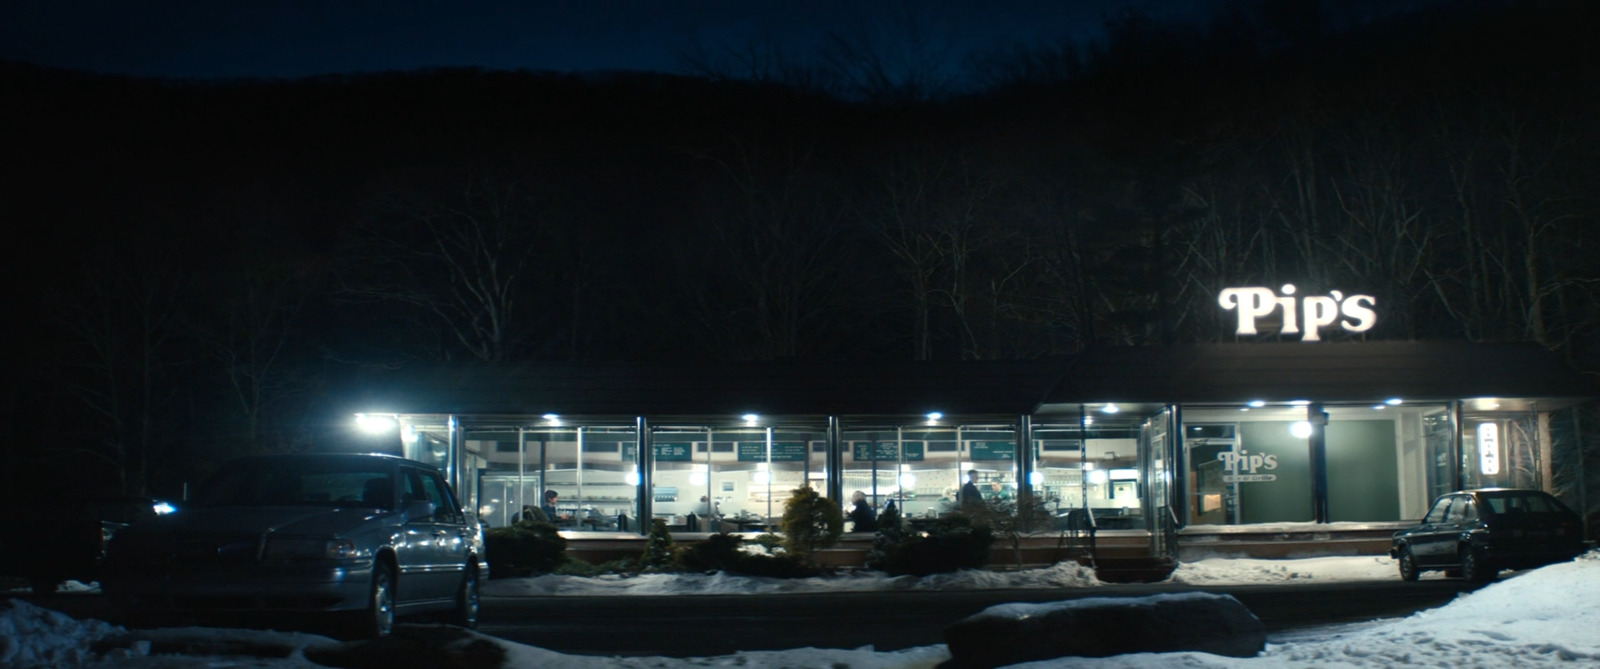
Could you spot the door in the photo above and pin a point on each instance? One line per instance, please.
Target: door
(440, 541)
(1428, 540)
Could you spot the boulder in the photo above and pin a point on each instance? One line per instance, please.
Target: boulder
(1105, 626)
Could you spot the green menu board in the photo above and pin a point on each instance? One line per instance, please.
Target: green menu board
(887, 451)
(782, 451)
(671, 452)
(994, 450)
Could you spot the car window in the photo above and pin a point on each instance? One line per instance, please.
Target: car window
(424, 485)
(1437, 513)
(1513, 503)
(1469, 510)
(296, 482)
(1457, 509)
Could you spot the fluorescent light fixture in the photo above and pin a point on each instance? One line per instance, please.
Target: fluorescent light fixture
(1258, 403)
(1300, 429)
(760, 478)
(1486, 403)
(1122, 474)
(697, 478)
(1394, 401)
(1109, 408)
(908, 480)
(1299, 403)
(1098, 477)
(374, 424)
(934, 415)
(631, 478)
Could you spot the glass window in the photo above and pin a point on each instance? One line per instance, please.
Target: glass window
(1440, 509)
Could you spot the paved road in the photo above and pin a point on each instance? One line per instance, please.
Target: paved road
(692, 626)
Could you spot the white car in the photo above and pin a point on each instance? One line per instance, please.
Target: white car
(361, 538)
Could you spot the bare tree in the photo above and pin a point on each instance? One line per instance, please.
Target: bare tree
(461, 262)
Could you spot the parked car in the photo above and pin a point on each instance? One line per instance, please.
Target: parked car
(1477, 533)
(47, 547)
(357, 538)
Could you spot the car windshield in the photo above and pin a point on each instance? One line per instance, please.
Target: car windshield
(1513, 502)
(335, 482)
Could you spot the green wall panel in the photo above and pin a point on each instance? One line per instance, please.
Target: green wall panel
(1288, 498)
(1363, 475)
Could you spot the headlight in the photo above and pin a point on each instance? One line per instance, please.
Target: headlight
(310, 549)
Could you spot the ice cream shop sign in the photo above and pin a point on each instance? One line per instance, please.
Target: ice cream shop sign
(1301, 315)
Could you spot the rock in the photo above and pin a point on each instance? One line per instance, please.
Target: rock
(1105, 626)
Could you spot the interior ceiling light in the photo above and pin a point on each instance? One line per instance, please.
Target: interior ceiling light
(750, 418)
(1394, 401)
(1299, 403)
(1110, 408)
(551, 416)
(934, 415)
(1257, 403)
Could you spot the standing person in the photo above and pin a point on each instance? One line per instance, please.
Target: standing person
(861, 513)
(969, 492)
(549, 505)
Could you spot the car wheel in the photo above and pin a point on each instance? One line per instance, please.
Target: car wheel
(1476, 568)
(377, 620)
(1408, 565)
(467, 600)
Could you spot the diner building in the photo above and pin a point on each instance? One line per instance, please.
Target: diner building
(1148, 440)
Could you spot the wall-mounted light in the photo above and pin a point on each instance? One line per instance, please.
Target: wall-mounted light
(1300, 429)
(374, 423)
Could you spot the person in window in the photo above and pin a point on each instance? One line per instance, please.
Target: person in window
(969, 492)
(861, 513)
(549, 506)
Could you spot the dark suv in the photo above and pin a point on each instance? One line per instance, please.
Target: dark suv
(361, 537)
(1476, 533)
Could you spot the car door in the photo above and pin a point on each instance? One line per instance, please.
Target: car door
(1428, 539)
(439, 540)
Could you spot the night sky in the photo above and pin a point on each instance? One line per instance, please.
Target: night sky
(296, 38)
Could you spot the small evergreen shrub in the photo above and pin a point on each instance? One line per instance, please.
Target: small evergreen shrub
(952, 544)
(658, 548)
(575, 567)
(524, 549)
(810, 522)
(725, 552)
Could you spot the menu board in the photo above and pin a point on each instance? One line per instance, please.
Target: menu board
(994, 450)
(782, 451)
(888, 451)
(674, 452)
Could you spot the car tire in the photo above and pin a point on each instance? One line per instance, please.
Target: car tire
(1475, 567)
(377, 619)
(468, 600)
(1408, 565)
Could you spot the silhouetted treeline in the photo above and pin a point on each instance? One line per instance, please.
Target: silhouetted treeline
(195, 263)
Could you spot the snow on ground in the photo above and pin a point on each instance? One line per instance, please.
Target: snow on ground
(1542, 618)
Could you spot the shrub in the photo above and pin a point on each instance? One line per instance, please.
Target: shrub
(658, 551)
(575, 567)
(810, 522)
(725, 552)
(524, 549)
(953, 543)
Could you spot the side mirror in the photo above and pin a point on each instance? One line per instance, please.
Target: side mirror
(418, 509)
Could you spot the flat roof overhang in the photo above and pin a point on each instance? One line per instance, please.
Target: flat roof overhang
(1347, 372)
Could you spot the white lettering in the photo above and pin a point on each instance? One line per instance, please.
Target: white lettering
(1254, 303)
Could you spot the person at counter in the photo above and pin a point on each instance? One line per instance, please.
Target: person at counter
(969, 492)
(861, 513)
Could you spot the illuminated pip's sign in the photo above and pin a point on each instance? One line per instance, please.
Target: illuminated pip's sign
(1308, 314)
(1489, 448)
